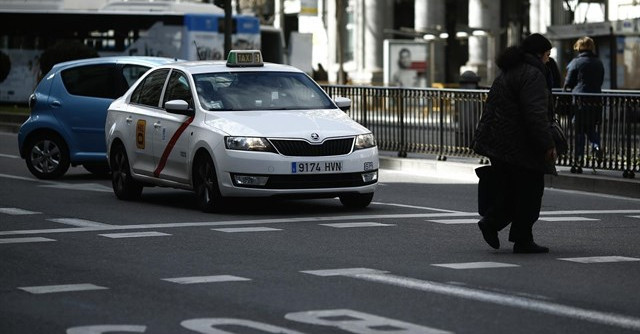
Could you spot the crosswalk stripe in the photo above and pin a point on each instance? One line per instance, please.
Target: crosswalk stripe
(206, 279)
(134, 235)
(17, 211)
(475, 265)
(600, 259)
(24, 240)
(61, 288)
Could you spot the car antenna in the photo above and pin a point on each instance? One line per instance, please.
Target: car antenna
(197, 50)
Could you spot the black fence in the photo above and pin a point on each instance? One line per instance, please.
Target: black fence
(442, 122)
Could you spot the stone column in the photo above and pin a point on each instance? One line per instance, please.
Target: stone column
(430, 17)
(484, 18)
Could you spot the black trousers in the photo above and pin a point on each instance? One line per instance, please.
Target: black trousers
(516, 200)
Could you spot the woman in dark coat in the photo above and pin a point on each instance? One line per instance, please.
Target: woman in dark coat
(514, 134)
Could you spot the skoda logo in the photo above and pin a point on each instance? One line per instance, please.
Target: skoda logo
(315, 136)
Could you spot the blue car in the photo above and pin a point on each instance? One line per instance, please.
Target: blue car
(69, 109)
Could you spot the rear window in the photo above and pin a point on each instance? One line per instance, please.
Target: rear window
(91, 80)
(101, 80)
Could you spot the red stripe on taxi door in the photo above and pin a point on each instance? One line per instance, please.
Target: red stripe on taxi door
(170, 145)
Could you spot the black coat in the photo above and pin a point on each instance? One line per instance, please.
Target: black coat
(514, 126)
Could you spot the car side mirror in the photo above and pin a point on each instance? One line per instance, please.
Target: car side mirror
(343, 103)
(180, 107)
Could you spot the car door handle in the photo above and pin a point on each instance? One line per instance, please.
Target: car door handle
(157, 125)
(129, 120)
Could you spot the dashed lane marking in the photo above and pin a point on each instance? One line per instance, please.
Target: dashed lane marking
(206, 279)
(364, 224)
(600, 259)
(24, 240)
(415, 207)
(475, 265)
(134, 235)
(61, 288)
(78, 222)
(246, 229)
(17, 211)
(503, 299)
(455, 221)
(567, 219)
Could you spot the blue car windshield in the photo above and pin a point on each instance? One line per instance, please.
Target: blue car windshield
(231, 91)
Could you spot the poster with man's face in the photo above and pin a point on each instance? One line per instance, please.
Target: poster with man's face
(405, 63)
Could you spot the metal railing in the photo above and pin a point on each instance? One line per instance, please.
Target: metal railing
(442, 122)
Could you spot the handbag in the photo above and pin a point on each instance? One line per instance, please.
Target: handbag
(560, 139)
(487, 188)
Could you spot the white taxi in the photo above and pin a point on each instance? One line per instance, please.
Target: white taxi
(240, 128)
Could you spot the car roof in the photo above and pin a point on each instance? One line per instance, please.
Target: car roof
(207, 66)
(139, 60)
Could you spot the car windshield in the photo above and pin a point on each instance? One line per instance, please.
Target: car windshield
(232, 91)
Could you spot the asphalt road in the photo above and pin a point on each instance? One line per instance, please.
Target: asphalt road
(76, 260)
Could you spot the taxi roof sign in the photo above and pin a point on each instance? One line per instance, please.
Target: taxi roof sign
(244, 58)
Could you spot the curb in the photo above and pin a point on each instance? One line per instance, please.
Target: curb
(565, 180)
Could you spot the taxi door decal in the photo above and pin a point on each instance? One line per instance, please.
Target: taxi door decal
(170, 145)
(141, 126)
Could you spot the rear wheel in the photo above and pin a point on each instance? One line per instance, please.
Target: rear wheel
(124, 186)
(356, 201)
(205, 184)
(47, 156)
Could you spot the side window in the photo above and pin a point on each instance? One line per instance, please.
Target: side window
(127, 75)
(178, 89)
(91, 80)
(149, 90)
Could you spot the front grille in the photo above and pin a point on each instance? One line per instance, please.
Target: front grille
(316, 181)
(302, 148)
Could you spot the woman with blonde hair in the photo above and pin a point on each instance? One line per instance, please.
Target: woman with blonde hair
(585, 74)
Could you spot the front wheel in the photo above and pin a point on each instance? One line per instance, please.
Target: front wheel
(124, 186)
(356, 201)
(47, 156)
(205, 184)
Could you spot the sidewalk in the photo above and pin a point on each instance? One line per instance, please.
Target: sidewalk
(603, 181)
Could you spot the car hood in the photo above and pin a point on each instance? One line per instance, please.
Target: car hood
(285, 123)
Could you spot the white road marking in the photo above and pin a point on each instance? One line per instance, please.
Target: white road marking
(24, 240)
(600, 259)
(78, 222)
(206, 279)
(475, 265)
(79, 186)
(567, 219)
(246, 229)
(61, 288)
(605, 318)
(134, 235)
(9, 156)
(396, 217)
(455, 221)
(634, 216)
(100, 329)
(365, 224)
(415, 207)
(17, 211)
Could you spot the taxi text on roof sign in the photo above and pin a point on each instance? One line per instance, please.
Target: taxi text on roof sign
(239, 58)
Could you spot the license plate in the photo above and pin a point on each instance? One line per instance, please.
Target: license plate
(316, 167)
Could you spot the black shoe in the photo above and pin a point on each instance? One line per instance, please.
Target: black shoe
(490, 235)
(529, 248)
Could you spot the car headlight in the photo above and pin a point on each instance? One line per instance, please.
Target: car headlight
(248, 144)
(365, 141)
